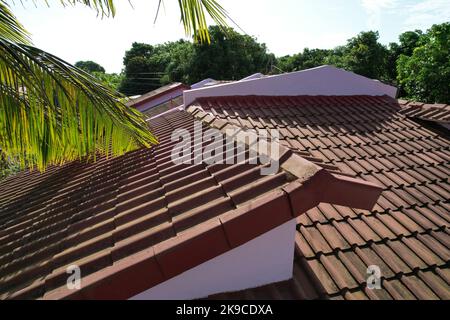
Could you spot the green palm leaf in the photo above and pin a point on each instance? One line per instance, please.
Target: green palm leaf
(10, 28)
(103, 7)
(52, 112)
(194, 19)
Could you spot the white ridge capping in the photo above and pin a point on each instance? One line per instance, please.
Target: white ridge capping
(324, 80)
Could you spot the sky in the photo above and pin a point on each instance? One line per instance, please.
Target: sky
(286, 26)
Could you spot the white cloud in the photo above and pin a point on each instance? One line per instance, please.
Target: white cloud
(424, 13)
(374, 10)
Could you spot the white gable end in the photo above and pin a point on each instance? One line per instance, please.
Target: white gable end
(263, 260)
(324, 80)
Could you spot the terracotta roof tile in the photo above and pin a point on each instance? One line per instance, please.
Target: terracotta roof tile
(376, 139)
(155, 93)
(118, 217)
(102, 215)
(430, 112)
(255, 217)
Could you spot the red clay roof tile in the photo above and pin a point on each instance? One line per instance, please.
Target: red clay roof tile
(406, 234)
(378, 140)
(107, 216)
(430, 112)
(256, 217)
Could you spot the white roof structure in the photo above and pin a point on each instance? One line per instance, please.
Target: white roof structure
(324, 80)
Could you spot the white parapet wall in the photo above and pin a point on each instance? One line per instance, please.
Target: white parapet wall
(324, 80)
(264, 260)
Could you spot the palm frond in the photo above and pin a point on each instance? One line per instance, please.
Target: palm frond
(194, 19)
(103, 7)
(10, 27)
(52, 112)
(13, 30)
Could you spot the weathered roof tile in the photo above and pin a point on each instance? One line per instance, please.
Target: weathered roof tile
(376, 139)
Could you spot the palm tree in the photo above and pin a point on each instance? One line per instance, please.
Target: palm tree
(52, 112)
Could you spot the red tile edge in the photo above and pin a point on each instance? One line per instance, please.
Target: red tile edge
(144, 270)
(256, 218)
(188, 250)
(351, 192)
(146, 99)
(122, 280)
(331, 188)
(302, 196)
(148, 268)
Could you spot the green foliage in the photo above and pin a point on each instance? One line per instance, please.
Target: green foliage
(8, 166)
(144, 67)
(52, 112)
(178, 62)
(229, 56)
(233, 56)
(90, 66)
(336, 57)
(393, 54)
(409, 40)
(10, 28)
(418, 65)
(364, 55)
(194, 19)
(425, 75)
(111, 80)
(309, 58)
(419, 74)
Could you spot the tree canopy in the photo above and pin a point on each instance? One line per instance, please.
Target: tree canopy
(148, 67)
(418, 64)
(309, 58)
(90, 66)
(364, 55)
(111, 80)
(409, 64)
(425, 73)
(229, 56)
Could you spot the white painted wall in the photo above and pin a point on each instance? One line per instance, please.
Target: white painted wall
(325, 80)
(264, 260)
(159, 100)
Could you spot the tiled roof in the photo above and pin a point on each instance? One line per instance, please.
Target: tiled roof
(164, 107)
(431, 112)
(120, 218)
(407, 232)
(155, 93)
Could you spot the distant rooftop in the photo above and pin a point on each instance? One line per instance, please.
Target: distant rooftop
(155, 93)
